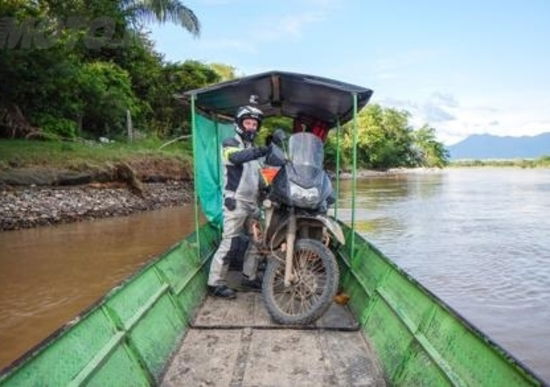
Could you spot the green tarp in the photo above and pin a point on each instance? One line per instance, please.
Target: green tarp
(209, 172)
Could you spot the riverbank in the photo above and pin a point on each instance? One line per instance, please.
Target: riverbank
(369, 173)
(541, 162)
(45, 183)
(40, 196)
(26, 207)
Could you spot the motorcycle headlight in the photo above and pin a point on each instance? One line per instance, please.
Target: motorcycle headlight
(307, 195)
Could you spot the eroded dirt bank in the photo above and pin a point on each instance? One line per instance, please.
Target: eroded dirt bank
(38, 196)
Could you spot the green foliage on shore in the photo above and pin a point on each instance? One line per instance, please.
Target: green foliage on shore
(61, 76)
(82, 82)
(56, 154)
(541, 162)
(386, 139)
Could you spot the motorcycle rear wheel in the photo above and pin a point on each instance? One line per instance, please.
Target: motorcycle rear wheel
(304, 301)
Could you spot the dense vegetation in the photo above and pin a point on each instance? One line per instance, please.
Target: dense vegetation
(68, 78)
(385, 139)
(64, 78)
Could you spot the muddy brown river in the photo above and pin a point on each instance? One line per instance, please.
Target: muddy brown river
(478, 238)
(48, 275)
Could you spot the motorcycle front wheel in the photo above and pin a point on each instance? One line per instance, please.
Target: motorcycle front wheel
(315, 283)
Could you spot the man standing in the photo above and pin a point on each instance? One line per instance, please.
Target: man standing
(240, 201)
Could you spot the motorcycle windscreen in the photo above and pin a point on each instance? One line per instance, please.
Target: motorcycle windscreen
(306, 149)
(306, 176)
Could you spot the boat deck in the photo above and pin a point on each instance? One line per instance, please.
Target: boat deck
(235, 343)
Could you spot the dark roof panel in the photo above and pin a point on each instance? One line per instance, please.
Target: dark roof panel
(283, 93)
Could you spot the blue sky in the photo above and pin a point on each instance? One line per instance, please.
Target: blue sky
(463, 67)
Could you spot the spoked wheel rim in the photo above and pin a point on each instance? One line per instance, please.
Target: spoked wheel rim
(306, 290)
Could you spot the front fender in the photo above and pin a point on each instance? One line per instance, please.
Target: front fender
(333, 227)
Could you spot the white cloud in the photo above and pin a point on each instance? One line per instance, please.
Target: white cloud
(454, 121)
(434, 113)
(294, 24)
(324, 4)
(473, 120)
(274, 28)
(216, 2)
(387, 75)
(288, 26)
(444, 99)
(400, 64)
(434, 110)
(231, 44)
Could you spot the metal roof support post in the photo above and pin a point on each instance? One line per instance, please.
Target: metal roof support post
(195, 179)
(337, 167)
(354, 175)
(218, 161)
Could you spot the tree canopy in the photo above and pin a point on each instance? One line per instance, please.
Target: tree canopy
(69, 75)
(385, 139)
(63, 76)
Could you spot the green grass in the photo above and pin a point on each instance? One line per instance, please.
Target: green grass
(541, 162)
(25, 153)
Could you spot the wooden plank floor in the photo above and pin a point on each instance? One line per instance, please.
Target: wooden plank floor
(248, 310)
(234, 343)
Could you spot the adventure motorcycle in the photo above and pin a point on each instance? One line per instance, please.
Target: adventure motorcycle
(301, 278)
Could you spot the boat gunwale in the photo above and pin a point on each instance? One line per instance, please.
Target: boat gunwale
(495, 347)
(342, 251)
(36, 349)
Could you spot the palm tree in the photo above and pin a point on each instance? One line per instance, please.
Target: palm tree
(162, 11)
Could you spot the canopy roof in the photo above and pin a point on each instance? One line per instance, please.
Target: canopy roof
(282, 93)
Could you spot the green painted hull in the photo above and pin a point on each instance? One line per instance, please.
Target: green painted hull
(129, 336)
(418, 338)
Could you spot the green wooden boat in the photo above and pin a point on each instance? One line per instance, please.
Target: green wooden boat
(129, 337)
(147, 330)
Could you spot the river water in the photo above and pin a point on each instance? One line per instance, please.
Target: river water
(48, 275)
(478, 238)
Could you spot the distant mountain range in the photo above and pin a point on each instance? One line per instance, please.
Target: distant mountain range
(486, 146)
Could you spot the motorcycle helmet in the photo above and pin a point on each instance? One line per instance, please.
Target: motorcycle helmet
(244, 113)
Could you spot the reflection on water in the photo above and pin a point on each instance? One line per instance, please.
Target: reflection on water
(49, 275)
(478, 238)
